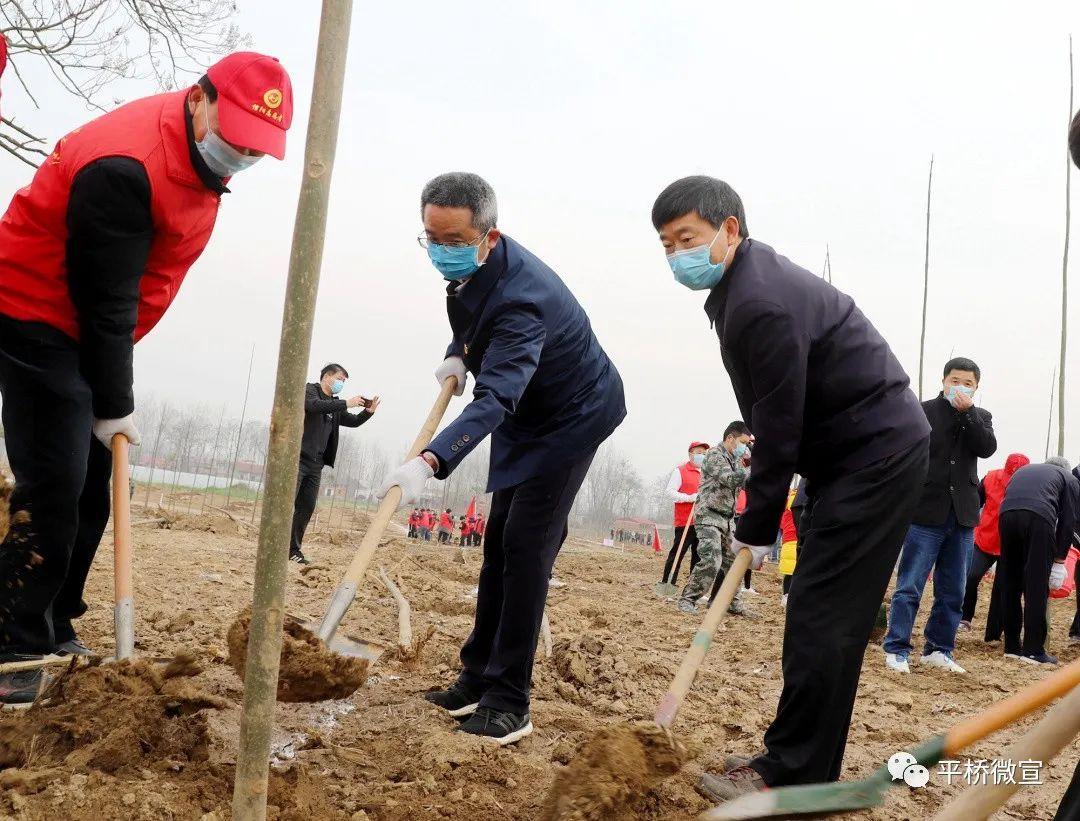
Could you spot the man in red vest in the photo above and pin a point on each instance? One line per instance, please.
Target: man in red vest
(92, 252)
(682, 488)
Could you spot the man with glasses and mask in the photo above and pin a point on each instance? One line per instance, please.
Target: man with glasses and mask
(92, 252)
(548, 395)
(826, 398)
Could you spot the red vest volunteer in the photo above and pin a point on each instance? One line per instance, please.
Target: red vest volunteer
(682, 489)
(987, 537)
(92, 253)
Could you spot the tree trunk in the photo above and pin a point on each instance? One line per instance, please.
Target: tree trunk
(1065, 276)
(287, 419)
(926, 279)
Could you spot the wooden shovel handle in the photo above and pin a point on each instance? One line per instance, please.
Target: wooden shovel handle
(389, 505)
(121, 504)
(1005, 712)
(1041, 743)
(682, 539)
(684, 678)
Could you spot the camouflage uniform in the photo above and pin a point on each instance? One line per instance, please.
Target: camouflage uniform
(721, 479)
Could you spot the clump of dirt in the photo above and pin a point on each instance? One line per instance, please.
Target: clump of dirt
(202, 522)
(110, 717)
(589, 670)
(410, 656)
(613, 773)
(309, 670)
(6, 488)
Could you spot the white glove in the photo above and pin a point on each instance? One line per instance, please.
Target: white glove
(105, 429)
(453, 366)
(759, 553)
(410, 477)
(1057, 576)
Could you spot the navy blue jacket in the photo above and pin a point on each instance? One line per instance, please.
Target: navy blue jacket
(815, 381)
(1050, 492)
(545, 390)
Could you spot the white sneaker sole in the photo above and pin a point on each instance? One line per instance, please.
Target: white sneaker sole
(463, 712)
(1013, 656)
(513, 737)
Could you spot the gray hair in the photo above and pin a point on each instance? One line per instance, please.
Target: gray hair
(1060, 461)
(462, 189)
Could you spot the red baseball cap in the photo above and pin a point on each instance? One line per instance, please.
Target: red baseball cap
(255, 101)
(698, 445)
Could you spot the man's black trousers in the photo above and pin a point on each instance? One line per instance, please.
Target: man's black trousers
(61, 501)
(672, 573)
(1027, 552)
(307, 496)
(525, 529)
(852, 532)
(980, 564)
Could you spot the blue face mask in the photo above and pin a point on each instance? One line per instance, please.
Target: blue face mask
(693, 268)
(455, 262)
(219, 156)
(740, 451)
(699, 459)
(955, 390)
(337, 386)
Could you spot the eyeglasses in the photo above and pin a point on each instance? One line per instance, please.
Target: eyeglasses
(424, 241)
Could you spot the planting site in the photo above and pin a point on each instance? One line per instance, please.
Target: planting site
(156, 738)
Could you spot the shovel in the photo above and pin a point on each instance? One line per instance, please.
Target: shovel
(782, 802)
(684, 678)
(124, 607)
(346, 590)
(668, 589)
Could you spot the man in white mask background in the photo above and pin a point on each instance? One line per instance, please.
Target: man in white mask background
(92, 253)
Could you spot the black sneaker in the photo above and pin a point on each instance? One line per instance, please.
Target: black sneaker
(74, 647)
(505, 728)
(19, 689)
(457, 699)
(298, 557)
(1039, 658)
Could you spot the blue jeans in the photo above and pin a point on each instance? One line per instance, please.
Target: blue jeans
(947, 550)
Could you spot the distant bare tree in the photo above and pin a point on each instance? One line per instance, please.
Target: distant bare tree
(926, 278)
(89, 44)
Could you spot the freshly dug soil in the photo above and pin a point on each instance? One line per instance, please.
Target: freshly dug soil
(112, 717)
(385, 754)
(309, 670)
(613, 774)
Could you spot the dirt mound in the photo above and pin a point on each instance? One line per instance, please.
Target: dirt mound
(6, 487)
(309, 671)
(203, 522)
(131, 714)
(612, 774)
(588, 669)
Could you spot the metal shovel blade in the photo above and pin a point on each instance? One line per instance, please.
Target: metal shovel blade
(342, 645)
(665, 590)
(785, 802)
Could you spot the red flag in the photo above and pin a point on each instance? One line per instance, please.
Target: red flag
(470, 511)
(655, 539)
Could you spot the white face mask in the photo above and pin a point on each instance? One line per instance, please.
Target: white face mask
(219, 156)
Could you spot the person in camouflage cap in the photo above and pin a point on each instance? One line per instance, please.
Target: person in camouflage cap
(723, 473)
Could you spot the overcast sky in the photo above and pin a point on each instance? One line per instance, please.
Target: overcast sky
(822, 116)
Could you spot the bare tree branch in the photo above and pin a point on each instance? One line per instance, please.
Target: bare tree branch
(87, 45)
